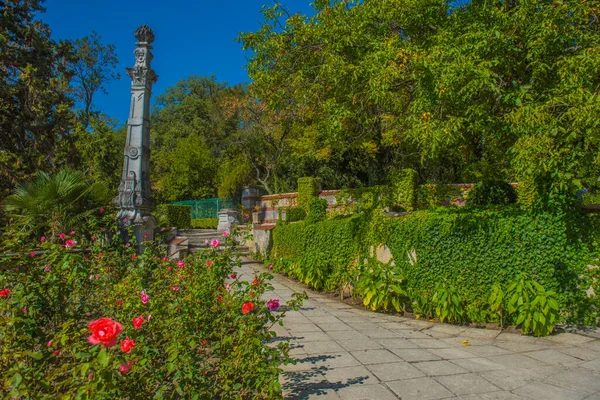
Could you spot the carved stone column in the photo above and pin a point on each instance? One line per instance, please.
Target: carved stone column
(135, 198)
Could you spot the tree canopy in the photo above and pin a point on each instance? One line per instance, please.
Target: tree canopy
(490, 89)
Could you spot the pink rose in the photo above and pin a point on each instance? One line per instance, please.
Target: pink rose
(124, 368)
(62, 236)
(144, 296)
(225, 234)
(32, 254)
(47, 268)
(70, 243)
(101, 209)
(94, 237)
(180, 263)
(104, 331)
(43, 239)
(271, 267)
(215, 243)
(50, 343)
(273, 304)
(72, 233)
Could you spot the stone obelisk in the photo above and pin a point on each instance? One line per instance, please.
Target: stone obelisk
(135, 198)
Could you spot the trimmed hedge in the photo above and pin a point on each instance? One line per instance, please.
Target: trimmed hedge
(317, 254)
(462, 249)
(205, 223)
(179, 216)
(295, 214)
(317, 210)
(472, 250)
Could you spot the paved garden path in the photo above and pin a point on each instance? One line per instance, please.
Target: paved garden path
(347, 353)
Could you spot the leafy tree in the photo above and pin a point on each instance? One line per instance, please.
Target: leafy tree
(100, 150)
(459, 91)
(191, 171)
(93, 69)
(56, 203)
(35, 108)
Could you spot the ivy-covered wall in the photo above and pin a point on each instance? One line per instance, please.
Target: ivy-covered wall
(467, 249)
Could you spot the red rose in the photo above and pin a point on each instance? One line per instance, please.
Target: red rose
(204, 341)
(127, 345)
(233, 276)
(137, 322)
(120, 302)
(4, 293)
(209, 264)
(247, 307)
(105, 331)
(220, 298)
(56, 352)
(256, 281)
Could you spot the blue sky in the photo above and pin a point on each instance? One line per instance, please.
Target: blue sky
(192, 37)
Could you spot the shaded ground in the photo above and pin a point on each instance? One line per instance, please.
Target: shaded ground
(347, 353)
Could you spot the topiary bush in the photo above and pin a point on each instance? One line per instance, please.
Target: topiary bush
(179, 216)
(89, 318)
(317, 210)
(492, 193)
(205, 223)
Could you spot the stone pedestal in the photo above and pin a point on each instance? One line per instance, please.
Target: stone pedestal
(227, 217)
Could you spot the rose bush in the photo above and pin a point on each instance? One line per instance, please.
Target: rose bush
(90, 319)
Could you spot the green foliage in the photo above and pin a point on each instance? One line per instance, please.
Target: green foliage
(535, 309)
(492, 193)
(308, 188)
(458, 93)
(477, 253)
(93, 69)
(189, 171)
(100, 150)
(404, 188)
(35, 107)
(295, 214)
(472, 250)
(380, 286)
(448, 304)
(195, 340)
(178, 216)
(318, 254)
(55, 203)
(205, 223)
(317, 210)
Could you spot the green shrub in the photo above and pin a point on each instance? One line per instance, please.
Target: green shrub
(192, 338)
(318, 254)
(477, 253)
(179, 216)
(492, 193)
(205, 223)
(403, 188)
(317, 210)
(308, 188)
(472, 250)
(295, 214)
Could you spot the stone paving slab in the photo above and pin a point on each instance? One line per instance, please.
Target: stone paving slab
(343, 352)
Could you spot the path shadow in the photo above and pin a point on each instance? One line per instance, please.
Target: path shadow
(303, 384)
